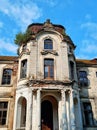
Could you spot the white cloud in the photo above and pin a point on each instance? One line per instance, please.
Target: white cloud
(22, 12)
(91, 26)
(50, 2)
(89, 46)
(90, 29)
(82, 56)
(87, 50)
(89, 43)
(5, 45)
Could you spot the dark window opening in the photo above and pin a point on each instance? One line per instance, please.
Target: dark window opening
(87, 115)
(48, 44)
(49, 68)
(83, 80)
(6, 79)
(23, 112)
(23, 69)
(3, 112)
(24, 47)
(70, 49)
(96, 74)
(71, 70)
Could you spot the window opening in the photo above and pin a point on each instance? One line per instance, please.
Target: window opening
(3, 112)
(96, 74)
(24, 47)
(71, 70)
(83, 80)
(48, 68)
(6, 78)
(48, 44)
(88, 115)
(23, 69)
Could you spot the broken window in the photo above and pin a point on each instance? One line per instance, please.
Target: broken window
(23, 69)
(48, 44)
(6, 78)
(49, 68)
(3, 112)
(87, 114)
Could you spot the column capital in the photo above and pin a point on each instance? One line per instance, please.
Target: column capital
(63, 90)
(68, 91)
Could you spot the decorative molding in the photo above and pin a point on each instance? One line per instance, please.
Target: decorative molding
(48, 24)
(27, 52)
(45, 52)
(44, 82)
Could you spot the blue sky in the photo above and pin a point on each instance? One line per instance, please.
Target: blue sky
(79, 17)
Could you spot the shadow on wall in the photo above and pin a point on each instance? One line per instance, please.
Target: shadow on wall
(87, 99)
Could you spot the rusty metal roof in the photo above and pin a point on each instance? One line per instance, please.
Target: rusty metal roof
(87, 62)
(8, 58)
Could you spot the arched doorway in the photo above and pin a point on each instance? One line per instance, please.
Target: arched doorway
(46, 115)
(49, 113)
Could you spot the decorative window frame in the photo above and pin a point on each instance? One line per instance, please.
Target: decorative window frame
(10, 68)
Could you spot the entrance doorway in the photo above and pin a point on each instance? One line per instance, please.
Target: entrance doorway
(46, 115)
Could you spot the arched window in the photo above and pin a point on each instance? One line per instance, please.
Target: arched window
(48, 68)
(48, 44)
(21, 112)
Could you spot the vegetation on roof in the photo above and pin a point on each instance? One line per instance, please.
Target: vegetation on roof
(23, 38)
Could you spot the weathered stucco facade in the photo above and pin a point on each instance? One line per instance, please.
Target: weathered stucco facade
(50, 89)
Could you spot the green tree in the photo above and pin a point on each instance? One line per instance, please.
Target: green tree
(23, 38)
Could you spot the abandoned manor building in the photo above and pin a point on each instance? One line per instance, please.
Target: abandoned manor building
(45, 87)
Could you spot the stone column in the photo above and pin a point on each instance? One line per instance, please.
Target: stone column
(80, 114)
(64, 116)
(38, 112)
(15, 115)
(29, 111)
(72, 116)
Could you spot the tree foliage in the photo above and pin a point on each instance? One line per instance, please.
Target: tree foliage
(23, 38)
